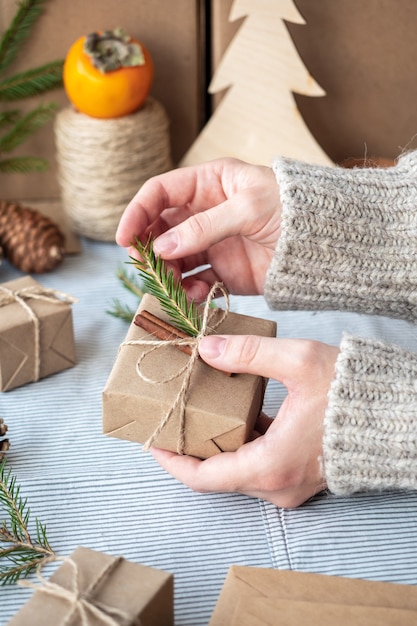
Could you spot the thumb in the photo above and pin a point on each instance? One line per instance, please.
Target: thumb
(265, 356)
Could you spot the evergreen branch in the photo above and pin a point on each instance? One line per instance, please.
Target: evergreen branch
(161, 283)
(25, 126)
(31, 82)
(27, 13)
(123, 311)
(8, 117)
(130, 282)
(19, 553)
(23, 165)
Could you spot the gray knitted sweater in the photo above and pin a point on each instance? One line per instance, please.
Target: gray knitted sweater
(349, 242)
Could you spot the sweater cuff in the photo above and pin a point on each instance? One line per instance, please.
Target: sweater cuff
(370, 425)
(348, 239)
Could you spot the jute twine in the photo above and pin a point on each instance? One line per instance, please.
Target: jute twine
(79, 600)
(103, 163)
(180, 402)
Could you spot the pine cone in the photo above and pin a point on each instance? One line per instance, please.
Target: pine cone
(30, 241)
(4, 443)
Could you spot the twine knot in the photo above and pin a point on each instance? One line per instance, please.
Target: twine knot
(35, 292)
(186, 371)
(80, 601)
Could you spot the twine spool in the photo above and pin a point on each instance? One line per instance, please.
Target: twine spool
(103, 163)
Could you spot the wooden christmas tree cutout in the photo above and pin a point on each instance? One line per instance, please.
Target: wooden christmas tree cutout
(257, 118)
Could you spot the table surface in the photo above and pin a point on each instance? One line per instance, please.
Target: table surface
(109, 495)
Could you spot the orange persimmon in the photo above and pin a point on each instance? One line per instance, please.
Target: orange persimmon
(107, 75)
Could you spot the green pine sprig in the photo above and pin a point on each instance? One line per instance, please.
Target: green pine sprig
(32, 82)
(133, 285)
(16, 127)
(161, 283)
(20, 553)
(26, 15)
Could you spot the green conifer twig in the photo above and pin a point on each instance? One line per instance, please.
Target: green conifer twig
(27, 13)
(22, 85)
(133, 285)
(20, 553)
(161, 283)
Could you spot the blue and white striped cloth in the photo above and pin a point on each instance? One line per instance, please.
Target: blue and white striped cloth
(106, 494)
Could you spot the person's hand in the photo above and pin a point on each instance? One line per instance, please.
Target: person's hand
(283, 463)
(225, 214)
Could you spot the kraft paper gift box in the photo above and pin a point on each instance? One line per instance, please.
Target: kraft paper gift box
(36, 332)
(92, 588)
(254, 596)
(220, 410)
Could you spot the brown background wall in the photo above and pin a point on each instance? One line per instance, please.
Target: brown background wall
(173, 30)
(364, 55)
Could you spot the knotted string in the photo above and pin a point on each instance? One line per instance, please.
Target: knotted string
(80, 601)
(36, 293)
(186, 371)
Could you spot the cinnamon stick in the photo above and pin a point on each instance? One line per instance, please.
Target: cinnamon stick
(164, 331)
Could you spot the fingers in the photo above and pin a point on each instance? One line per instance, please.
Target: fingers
(225, 472)
(176, 188)
(199, 232)
(264, 356)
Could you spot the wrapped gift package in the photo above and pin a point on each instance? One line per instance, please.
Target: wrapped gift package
(93, 588)
(36, 332)
(254, 596)
(220, 410)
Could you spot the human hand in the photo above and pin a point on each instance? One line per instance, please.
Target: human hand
(283, 463)
(225, 214)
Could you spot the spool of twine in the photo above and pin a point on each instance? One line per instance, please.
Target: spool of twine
(103, 162)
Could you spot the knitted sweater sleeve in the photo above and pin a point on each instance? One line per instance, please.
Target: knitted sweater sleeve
(349, 242)
(348, 239)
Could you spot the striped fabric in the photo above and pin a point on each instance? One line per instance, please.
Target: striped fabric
(105, 494)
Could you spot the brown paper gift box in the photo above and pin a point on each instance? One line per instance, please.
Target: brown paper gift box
(254, 596)
(17, 337)
(116, 587)
(220, 410)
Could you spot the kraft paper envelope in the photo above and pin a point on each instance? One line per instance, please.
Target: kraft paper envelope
(268, 612)
(261, 587)
(17, 337)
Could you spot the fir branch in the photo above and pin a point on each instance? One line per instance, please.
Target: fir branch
(20, 554)
(134, 286)
(8, 117)
(123, 311)
(31, 82)
(25, 126)
(27, 13)
(161, 283)
(23, 165)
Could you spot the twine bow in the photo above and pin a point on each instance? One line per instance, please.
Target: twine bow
(186, 371)
(80, 602)
(8, 296)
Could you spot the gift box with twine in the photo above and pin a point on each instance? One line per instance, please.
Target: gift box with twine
(36, 332)
(94, 589)
(146, 400)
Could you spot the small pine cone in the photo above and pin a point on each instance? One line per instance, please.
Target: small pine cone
(4, 443)
(30, 241)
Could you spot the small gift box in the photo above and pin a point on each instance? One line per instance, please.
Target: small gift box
(36, 332)
(253, 596)
(94, 589)
(143, 387)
